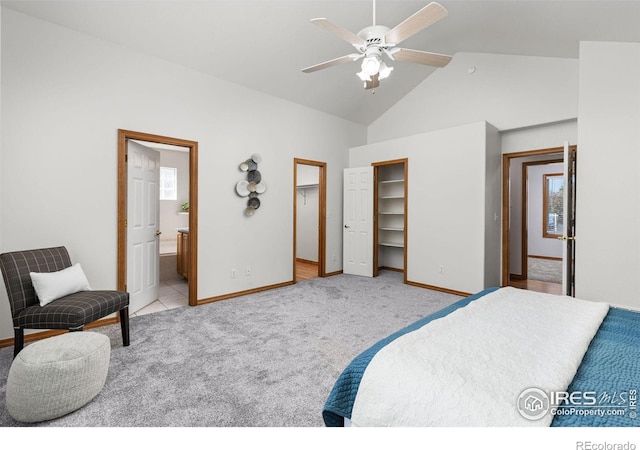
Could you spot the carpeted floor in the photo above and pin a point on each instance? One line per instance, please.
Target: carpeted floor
(541, 269)
(265, 360)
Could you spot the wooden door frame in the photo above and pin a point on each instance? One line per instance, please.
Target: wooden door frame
(123, 136)
(322, 213)
(506, 162)
(376, 167)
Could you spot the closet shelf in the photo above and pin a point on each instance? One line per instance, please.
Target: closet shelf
(392, 196)
(391, 228)
(391, 244)
(401, 213)
(391, 181)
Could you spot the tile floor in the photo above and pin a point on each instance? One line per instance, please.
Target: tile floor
(173, 294)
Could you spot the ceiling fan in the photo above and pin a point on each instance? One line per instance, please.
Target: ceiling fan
(375, 41)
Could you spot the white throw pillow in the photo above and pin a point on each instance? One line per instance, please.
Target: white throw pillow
(50, 286)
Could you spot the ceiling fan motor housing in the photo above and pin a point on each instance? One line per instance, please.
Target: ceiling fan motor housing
(373, 36)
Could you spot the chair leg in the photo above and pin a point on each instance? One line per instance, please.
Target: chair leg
(18, 340)
(124, 324)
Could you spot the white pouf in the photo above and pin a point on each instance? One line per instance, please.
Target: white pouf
(57, 375)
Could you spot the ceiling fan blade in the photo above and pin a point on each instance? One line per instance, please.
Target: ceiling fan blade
(342, 33)
(373, 83)
(428, 15)
(332, 62)
(420, 57)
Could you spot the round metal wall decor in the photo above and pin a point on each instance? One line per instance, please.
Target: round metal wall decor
(252, 186)
(242, 188)
(254, 176)
(254, 203)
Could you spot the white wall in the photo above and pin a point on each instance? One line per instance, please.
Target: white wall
(507, 91)
(608, 174)
(543, 136)
(536, 244)
(66, 94)
(449, 221)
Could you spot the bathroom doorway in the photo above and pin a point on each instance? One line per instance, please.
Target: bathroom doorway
(180, 211)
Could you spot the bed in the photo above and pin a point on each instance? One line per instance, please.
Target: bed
(501, 357)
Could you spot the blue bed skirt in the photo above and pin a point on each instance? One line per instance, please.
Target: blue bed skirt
(610, 368)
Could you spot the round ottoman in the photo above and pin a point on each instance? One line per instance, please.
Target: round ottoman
(57, 375)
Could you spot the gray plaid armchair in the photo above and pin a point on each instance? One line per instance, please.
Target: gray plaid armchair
(71, 312)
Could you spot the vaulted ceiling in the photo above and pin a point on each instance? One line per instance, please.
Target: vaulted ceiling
(264, 44)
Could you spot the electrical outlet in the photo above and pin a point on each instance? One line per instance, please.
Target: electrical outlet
(441, 269)
(233, 273)
(247, 271)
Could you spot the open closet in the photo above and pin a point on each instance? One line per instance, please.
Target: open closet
(309, 212)
(390, 215)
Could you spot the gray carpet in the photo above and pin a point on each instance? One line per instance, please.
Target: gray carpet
(265, 360)
(541, 269)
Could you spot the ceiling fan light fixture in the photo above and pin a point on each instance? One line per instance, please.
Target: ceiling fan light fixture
(385, 71)
(363, 76)
(371, 65)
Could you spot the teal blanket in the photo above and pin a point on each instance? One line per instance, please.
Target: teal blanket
(610, 372)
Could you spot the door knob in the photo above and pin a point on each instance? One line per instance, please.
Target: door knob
(567, 238)
(158, 233)
(347, 226)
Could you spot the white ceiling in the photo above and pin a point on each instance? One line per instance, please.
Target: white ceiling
(263, 44)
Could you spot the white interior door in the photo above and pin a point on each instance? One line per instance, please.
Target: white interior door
(569, 205)
(358, 222)
(143, 227)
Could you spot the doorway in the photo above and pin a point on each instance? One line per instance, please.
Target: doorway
(174, 228)
(309, 219)
(390, 212)
(124, 139)
(534, 228)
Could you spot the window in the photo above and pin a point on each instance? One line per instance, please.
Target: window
(553, 205)
(168, 183)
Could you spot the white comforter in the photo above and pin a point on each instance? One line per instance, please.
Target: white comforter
(468, 368)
